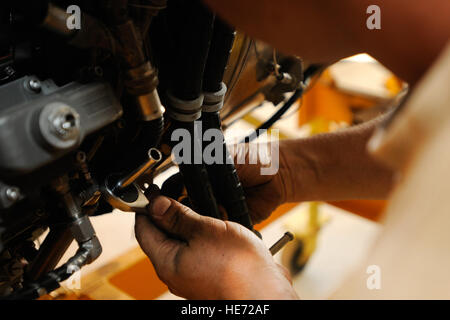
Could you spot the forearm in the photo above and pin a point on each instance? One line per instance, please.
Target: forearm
(328, 30)
(305, 28)
(334, 166)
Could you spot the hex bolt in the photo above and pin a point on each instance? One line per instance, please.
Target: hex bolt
(64, 124)
(60, 125)
(13, 194)
(9, 71)
(288, 236)
(34, 85)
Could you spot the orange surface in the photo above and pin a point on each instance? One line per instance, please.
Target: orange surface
(139, 281)
(324, 101)
(323, 104)
(276, 214)
(70, 296)
(370, 209)
(132, 279)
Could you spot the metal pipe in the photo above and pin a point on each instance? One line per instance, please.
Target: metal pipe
(154, 156)
(287, 237)
(51, 251)
(84, 234)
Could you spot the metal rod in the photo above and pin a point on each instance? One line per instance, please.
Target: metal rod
(50, 252)
(288, 236)
(154, 156)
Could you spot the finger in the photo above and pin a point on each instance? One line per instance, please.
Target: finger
(156, 245)
(152, 192)
(285, 272)
(238, 153)
(177, 219)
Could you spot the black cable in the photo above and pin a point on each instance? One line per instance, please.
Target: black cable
(311, 71)
(275, 117)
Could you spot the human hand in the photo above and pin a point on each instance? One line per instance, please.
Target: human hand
(264, 193)
(200, 257)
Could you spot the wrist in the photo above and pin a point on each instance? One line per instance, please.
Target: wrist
(298, 170)
(268, 287)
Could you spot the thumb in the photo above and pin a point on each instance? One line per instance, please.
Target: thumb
(176, 219)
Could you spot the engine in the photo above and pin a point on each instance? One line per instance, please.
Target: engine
(90, 92)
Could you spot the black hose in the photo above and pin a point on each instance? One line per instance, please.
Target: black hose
(50, 252)
(51, 281)
(192, 25)
(219, 53)
(196, 179)
(224, 179)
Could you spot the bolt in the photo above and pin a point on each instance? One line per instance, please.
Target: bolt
(81, 157)
(64, 124)
(9, 71)
(34, 85)
(98, 71)
(60, 125)
(13, 194)
(288, 236)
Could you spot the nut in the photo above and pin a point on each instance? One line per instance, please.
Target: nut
(34, 85)
(13, 194)
(60, 125)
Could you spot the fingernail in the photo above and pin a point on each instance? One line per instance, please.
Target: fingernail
(159, 206)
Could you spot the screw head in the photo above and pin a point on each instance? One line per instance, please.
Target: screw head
(13, 194)
(34, 85)
(60, 125)
(64, 124)
(9, 71)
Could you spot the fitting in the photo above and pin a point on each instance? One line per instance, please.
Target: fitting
(185, 110)
(213, 101)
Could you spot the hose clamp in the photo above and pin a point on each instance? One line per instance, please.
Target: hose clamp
(214, 101)
(184, 110)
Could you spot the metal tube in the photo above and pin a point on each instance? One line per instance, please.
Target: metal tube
(288, 236)
(51, 251)
(154, 156)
